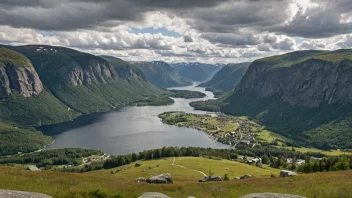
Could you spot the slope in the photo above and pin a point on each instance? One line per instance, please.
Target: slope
(227, 78)
(162, 74)
(305, 95)
(84, 82)
(121, 184)
(23, 98)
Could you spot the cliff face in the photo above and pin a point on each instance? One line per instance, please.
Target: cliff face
(85, 82)
(306, 95)
(311, 83)
(17, 76)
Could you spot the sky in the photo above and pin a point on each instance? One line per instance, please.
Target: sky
(208, 31)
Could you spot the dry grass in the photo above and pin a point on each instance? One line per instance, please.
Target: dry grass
(331, 184)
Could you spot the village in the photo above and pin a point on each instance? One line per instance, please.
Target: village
(226, 129)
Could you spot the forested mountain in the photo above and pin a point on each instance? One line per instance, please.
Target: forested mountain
(162, 74)
(23, 97)
(84, 82)
(41, 85)
(227, 78)
(196, 71)
(306, 95)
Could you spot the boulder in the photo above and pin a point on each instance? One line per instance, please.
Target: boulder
(21, 194)
(153, 195)
(140, 179)
(210, 178)
(246, 176)
(287, 173)
(164, 178)
(270, 195)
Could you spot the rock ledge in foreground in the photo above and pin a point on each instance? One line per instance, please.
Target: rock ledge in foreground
(270, 195)
(21, 194)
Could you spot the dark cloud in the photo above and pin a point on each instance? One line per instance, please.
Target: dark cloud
(86, 14)
(187, 39)
(323, 20)
(286, 44)
(207, 16)
(231, 39)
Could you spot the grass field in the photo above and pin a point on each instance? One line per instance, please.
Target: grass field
(57, 184)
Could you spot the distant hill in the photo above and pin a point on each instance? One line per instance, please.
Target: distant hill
(162, 74)
(196, 71)
(227, 78)
(305, 95)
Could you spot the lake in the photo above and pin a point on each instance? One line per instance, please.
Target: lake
(131, 129)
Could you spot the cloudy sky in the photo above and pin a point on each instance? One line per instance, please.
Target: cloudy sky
(220, 31)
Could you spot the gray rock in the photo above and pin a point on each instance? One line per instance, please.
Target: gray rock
(140, 179)
(153, 195)
(270, 195)
(246, 176)
(210, 178)
(21, 194)
(19, 79)
(164, 178)
(286, 173)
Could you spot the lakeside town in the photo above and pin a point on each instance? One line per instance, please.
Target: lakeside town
(226, 129)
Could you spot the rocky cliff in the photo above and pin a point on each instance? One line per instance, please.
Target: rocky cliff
(17, 75)
(311, 82)
(85, 82)
(306, 95)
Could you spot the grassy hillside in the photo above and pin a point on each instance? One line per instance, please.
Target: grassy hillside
(8, 56)
(162, 74)
(120, 184)
(14, 140)
(227, 78)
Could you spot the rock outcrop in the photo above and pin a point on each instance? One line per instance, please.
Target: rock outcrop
(210, 178)
(270, 195)
(164, 178)
(21, 194)
(246, 176)
(17, 75)
(153, 195)
(303, 79)
(287, 173)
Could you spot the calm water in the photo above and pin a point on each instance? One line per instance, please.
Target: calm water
(131, 129)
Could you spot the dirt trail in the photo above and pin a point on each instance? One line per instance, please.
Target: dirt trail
(173, 164)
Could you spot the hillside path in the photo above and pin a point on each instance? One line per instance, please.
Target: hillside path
(173, 164)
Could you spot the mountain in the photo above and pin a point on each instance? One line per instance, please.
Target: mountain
(227, 78)
(23, 98)
(162, 74)
(196, 71)
(41, 85)
(84, 82)
(305, 95)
